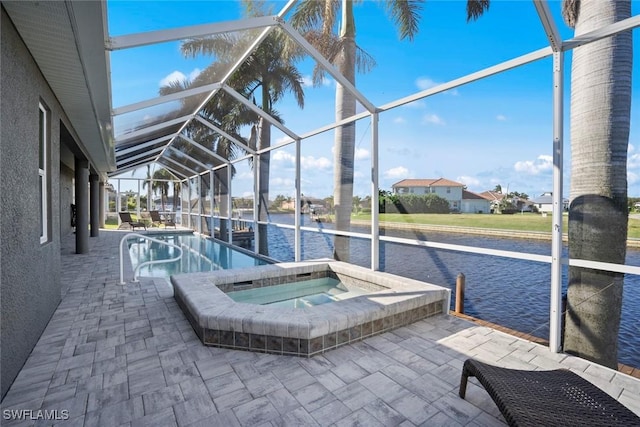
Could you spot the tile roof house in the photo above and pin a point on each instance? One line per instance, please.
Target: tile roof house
(460, 200)
(544, 203)
(474, 203)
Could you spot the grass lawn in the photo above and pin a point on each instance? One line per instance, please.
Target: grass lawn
(518, 222)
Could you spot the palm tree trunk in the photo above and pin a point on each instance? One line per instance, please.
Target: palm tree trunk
(222, 184)
(263, 195)
(600, 120)
(344, 149)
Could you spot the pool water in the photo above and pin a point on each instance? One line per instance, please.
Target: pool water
(199, 254)
(302, 294)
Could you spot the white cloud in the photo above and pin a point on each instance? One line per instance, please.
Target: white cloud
(420, 104)
(283, 139)
(310, 162)
(632, 178)
(633, 161)
(285, 159)
(397, 172)
(433, 119)
(469, 181)
(362, 154)
(399, 120)
(281, 182)
(283, 156)
(307, 81)
(180, 76)
(424, 83)
(501, 118)
(195, 73)
(176, 75)
(633, 158)
(533, 167)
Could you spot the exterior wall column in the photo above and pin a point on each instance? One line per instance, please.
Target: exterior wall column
(94, 205)
(101, 204)
(82, 206)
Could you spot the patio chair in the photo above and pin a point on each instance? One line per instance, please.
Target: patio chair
(156, 218)
(544, 398)
(125, 218)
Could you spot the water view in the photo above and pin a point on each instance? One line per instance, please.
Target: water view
(510, 292)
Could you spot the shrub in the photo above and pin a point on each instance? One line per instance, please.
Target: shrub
(413, 203)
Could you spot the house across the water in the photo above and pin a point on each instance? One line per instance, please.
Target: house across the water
(460, 199)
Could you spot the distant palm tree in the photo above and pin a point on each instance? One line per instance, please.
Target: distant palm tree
(598, 215)
(161, 185)
(146, 184)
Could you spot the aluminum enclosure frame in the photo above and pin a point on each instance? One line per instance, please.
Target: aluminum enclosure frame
(556, 49)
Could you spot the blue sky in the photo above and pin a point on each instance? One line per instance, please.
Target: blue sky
(494, 131)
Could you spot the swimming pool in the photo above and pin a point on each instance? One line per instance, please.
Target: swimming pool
(308, 293)
(199, 253)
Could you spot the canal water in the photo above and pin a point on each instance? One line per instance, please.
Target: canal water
(509, 292)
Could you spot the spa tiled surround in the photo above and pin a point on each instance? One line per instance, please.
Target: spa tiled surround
(219, 321)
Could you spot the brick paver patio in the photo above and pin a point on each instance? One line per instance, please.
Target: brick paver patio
(116, 355)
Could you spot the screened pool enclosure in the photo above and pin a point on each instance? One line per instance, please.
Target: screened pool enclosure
(232, 148)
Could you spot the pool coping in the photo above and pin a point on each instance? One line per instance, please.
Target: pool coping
(219, 321)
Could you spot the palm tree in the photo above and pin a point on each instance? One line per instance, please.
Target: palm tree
(161, 185)
(268, 74)
(598, 215)
(317, 20)
(146, 184)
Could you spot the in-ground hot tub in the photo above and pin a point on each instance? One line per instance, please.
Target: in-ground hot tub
(372, 302)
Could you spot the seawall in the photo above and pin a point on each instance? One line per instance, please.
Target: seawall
(515, 234)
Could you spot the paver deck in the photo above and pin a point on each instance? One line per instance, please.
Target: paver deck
(116, 355)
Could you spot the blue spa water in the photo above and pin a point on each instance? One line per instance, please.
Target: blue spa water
(307, 293)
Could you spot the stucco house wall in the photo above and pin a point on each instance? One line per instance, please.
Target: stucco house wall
(449, 190)
(30, 271)
(475, 206)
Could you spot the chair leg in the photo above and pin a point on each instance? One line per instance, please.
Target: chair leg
(463, 383)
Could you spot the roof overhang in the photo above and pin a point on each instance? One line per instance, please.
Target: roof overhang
(66, 40)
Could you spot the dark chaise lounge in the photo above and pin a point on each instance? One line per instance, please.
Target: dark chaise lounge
(547, 398)
(125, 218)
(156, 218)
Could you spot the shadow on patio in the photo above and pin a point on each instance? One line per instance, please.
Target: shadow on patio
(117, 355)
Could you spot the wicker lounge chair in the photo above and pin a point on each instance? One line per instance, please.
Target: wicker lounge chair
(547, 398)
(125, 218)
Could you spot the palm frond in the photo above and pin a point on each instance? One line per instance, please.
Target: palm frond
(253, 8)
(406, 14)
(219, 45)
(364, 61)
(174, 87)
(475, 9)
(315, 15)
(570, 12)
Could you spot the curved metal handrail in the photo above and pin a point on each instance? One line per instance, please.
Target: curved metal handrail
(157, 261)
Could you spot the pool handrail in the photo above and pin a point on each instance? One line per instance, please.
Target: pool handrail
(157, 261)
